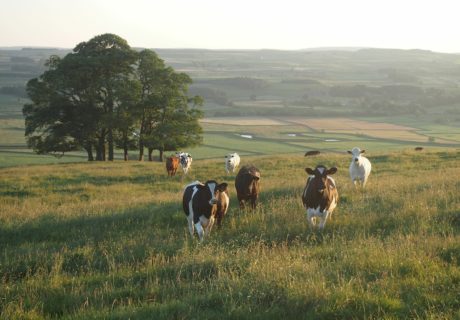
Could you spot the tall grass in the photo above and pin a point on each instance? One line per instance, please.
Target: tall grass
(109, 240)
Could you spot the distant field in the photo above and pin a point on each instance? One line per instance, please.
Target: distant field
(266, 135)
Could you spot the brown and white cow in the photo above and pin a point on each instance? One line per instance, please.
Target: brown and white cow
(172, 164)
(200, 205)
(247, 185)
(320, 196)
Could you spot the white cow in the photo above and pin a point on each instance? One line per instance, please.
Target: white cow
(232, 161)
(185, 160)
(360, 167)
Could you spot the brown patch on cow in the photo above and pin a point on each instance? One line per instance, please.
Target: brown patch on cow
(172, 163)
(247, 184)
(312, 153)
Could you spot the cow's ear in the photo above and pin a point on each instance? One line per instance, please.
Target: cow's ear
(222, 187)
(309, 171)
(332, 170)
(362, 151)
(349, 152)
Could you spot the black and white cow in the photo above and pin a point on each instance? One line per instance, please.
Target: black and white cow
(185, 160)
(200, 205)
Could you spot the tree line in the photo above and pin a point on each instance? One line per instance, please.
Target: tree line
(105, 95)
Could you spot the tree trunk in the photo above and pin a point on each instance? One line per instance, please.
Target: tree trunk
(125, 152)
(89, 151)
(161, 155)
(110, 142)
(141, 150)
(150, 154)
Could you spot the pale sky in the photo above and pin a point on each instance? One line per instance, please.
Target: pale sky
(235, 24)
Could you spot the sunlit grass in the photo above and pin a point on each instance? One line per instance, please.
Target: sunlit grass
(109, 240)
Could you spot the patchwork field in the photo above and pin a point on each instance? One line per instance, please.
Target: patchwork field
(264, 136)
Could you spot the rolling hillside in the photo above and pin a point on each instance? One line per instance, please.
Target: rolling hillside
(110, 240)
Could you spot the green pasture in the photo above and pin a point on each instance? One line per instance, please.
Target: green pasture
(110, 241)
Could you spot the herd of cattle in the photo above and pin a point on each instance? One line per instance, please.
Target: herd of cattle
(207, 203)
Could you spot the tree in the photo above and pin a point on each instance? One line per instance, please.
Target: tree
(169, 116)
(111, 61)
(105, 93)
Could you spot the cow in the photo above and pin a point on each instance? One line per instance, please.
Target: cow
(247, 185)
(418, 148)
(223, 202)
(311, 153)
(200, 205)
(172, 163)
(360, 167)
(232, 161)
(320, 196)
(185, 161)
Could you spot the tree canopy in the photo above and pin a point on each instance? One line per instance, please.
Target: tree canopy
(105, 95)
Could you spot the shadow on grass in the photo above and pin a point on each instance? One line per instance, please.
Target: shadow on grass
(84, 229)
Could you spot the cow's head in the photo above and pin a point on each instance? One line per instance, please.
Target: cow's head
(356, 154)
(229, 157)
(213, 189)
(320, 173)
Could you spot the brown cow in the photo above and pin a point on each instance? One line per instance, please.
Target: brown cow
(320, 195)
(247, 185)
(418, 148)
(172, 163)
(312, 153)
(223, 201)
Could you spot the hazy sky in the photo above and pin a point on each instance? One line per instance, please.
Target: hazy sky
(235, 24)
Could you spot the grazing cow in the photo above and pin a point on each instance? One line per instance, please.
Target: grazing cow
(185, 160)
(312, 153)
(232, 161)
(172, 163)
(200, 205)
(418, 148)
(247, 185)
(223, 201)
(360, 167)
(320, 195)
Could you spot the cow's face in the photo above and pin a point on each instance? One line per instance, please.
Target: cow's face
(320, 174)
(356, 154)
(214, 189)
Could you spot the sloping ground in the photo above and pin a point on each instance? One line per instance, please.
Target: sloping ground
(110, 240)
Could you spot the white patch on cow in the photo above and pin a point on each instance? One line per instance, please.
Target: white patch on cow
(313, 214)
(332, 181)
(212, 188)
(321, 170)
(190, 217)
(190, 206)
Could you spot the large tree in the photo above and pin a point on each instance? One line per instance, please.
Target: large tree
(106, 94)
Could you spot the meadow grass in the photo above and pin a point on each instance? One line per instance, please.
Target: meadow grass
(109, 240)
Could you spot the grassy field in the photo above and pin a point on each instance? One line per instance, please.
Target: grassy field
(109, 240)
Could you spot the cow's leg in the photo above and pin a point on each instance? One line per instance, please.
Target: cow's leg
(199, 230)
(190, 218)
(324, 217)
(209, 226)
(310, 217)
